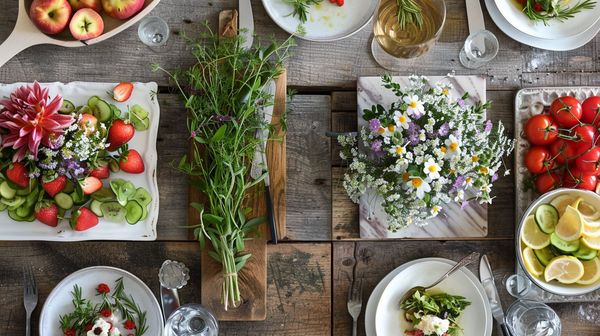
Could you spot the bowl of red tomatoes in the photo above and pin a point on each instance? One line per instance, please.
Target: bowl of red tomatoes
(565, 149)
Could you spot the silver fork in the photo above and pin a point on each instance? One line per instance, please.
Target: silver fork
(30, 295)
(355, 302)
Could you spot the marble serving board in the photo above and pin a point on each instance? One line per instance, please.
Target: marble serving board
(529, 102)
(452, 222)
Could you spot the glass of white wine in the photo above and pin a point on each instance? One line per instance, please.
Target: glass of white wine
(391, 42)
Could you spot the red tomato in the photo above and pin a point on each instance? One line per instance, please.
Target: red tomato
(569, 150)
(584, 135)
(589, 161)
(541, 129)
(539, 160)
(547, 182)
(566, 111)
(589, 109)
(587, 182)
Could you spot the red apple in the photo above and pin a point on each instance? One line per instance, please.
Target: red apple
(50, 16)
(79, 4)
(86, 24)
(122, 9)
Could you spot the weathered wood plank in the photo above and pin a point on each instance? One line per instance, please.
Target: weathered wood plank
(345, 213)
(308, 199)
(341, 122)
(374, 260)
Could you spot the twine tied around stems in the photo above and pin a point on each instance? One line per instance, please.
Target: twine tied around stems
(230, 274)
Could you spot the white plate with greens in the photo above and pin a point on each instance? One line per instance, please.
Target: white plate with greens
(326, 21)
(555, 30)
(476, 319)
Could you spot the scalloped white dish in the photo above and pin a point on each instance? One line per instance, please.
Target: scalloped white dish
(144, 142)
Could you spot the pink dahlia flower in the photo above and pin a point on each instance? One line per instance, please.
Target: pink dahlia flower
(30, 120)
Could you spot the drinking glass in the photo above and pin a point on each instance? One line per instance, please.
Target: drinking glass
(390, 43)
(479, 48)
(517, 285)
(154, 32)
(192, 319)
(532, 318)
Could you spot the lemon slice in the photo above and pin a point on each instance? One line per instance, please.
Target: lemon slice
(587, 211)
(532, 236)
(591, 242)
(532, 263)
(591, 272)
(565, 269)
(570, 225)
(591, 231)
(561, 202)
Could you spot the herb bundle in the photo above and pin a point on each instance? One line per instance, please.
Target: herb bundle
(301, 8)
(445, 306)
(224, 95)
(545, 10)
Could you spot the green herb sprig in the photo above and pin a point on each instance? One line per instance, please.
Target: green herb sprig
(409, 12)
(546, 10)
(301, 8)
(85, 313)
(129, 308)
(436, 305)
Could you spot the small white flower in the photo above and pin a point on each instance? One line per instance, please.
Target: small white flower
(421, 185)
(415, 106)
(432, 169)
(487, 189)
(398, 151)
(460, 195)
(387, 131)
(401, 120)
(436, 209)
(468, 182)
(452, 146)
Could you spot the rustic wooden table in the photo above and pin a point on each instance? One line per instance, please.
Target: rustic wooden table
(310, 270)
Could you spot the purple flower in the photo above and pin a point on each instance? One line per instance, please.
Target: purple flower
(459, 182)
(376, 145)
(444, 129)
(488, 126)
(464, 205)
(375, 125)
(194, 133)
(414, 131)
(494, 178)
(461, 103)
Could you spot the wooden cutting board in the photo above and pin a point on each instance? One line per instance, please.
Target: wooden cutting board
(252, 278)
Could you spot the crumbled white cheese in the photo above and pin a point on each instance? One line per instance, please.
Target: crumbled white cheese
(431, 324)
(104, 327)
(114, 332)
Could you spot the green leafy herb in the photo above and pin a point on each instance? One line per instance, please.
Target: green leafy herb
(444, 306)
(409, 12)
(129, 308)
(301, 8)
(545, 10)
(85, 313)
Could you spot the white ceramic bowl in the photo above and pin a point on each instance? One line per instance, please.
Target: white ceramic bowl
(554, 286)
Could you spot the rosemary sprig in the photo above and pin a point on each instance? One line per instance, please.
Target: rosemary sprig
(301, 8)
(409, 12)
(85, 313)
(128, 306)
(548, 10)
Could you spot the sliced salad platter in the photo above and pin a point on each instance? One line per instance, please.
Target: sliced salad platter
(144, 142)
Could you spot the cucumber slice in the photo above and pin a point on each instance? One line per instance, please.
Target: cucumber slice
(142, 196)
(566, 246)
(113, 212)
(14, 202)
(102, 111)
(103, 195)
(125, 192)
(23, 211)
(29, 189)
(61, 212)
(6, 191)
(546, 218)
(64, 201)
(585, 253)
(67, 107)
(113, 165)
(13, 215)
(31, 199)
(139, 124)
(134, 212)
(3, 206)
(31, 217)
(68, 187)
(558, 252)
(86, 110)
(93, 100)
(144, 213)
(544, 255)
(116, 183)
(139, 112)
(77, 200)
(95, 206)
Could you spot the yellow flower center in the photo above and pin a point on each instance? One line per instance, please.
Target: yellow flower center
(381, 130)
(409, 220)
(453, 146)
(402, 119)
(406, 177)
(436, 209)
(416, 182)
(483, 188)
(432, 169)
(413, 104)
(391, 128)
(399, 150)
(452, 171)
(446, 92)
(484, 170)
(469, 180)
(443, 149)
(475, 158)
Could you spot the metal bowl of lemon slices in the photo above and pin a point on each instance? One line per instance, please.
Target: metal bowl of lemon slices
(558, 241)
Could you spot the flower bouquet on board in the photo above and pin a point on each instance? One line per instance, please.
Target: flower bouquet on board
(425, 150)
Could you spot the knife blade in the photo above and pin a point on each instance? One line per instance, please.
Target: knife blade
(246, 21)
(474, 16)
(169, 299)
(487, 280)
(268, 116)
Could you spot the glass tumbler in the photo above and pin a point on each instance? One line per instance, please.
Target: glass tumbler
(192, 319)
(153, 31)
(479, 48)
(517, 285)
(532, 318)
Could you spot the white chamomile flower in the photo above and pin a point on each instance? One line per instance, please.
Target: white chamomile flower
(401, 120)
(387, 131)
(432, 169)
(460, 195)
(452, 146)
(436, 209)
(486, 189)
(398, 150)
(415, 106)
(421, 185)
(468, 182)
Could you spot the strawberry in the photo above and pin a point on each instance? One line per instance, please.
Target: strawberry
(18, 174)
(46, 212)
(102, 172)
(55, 186)
(131, 162)
(122, 92)
(90, 185)
(119, 134)
(83, 219)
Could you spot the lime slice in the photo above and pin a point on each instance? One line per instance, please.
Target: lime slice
(561, 202)
(544, 255)
(566, 247)
(570, 225)
(546, 218)
(584, 253)
(565, 269)
(591, 272)
(532, 236)
(593, 243)
(532, 263)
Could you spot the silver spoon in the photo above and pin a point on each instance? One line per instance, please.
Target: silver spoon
(464, 261)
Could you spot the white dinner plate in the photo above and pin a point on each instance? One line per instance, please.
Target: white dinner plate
(144, 94)
(555, 45)
(59, 302)
(326, 21)
(386, 319)
(555, 30)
